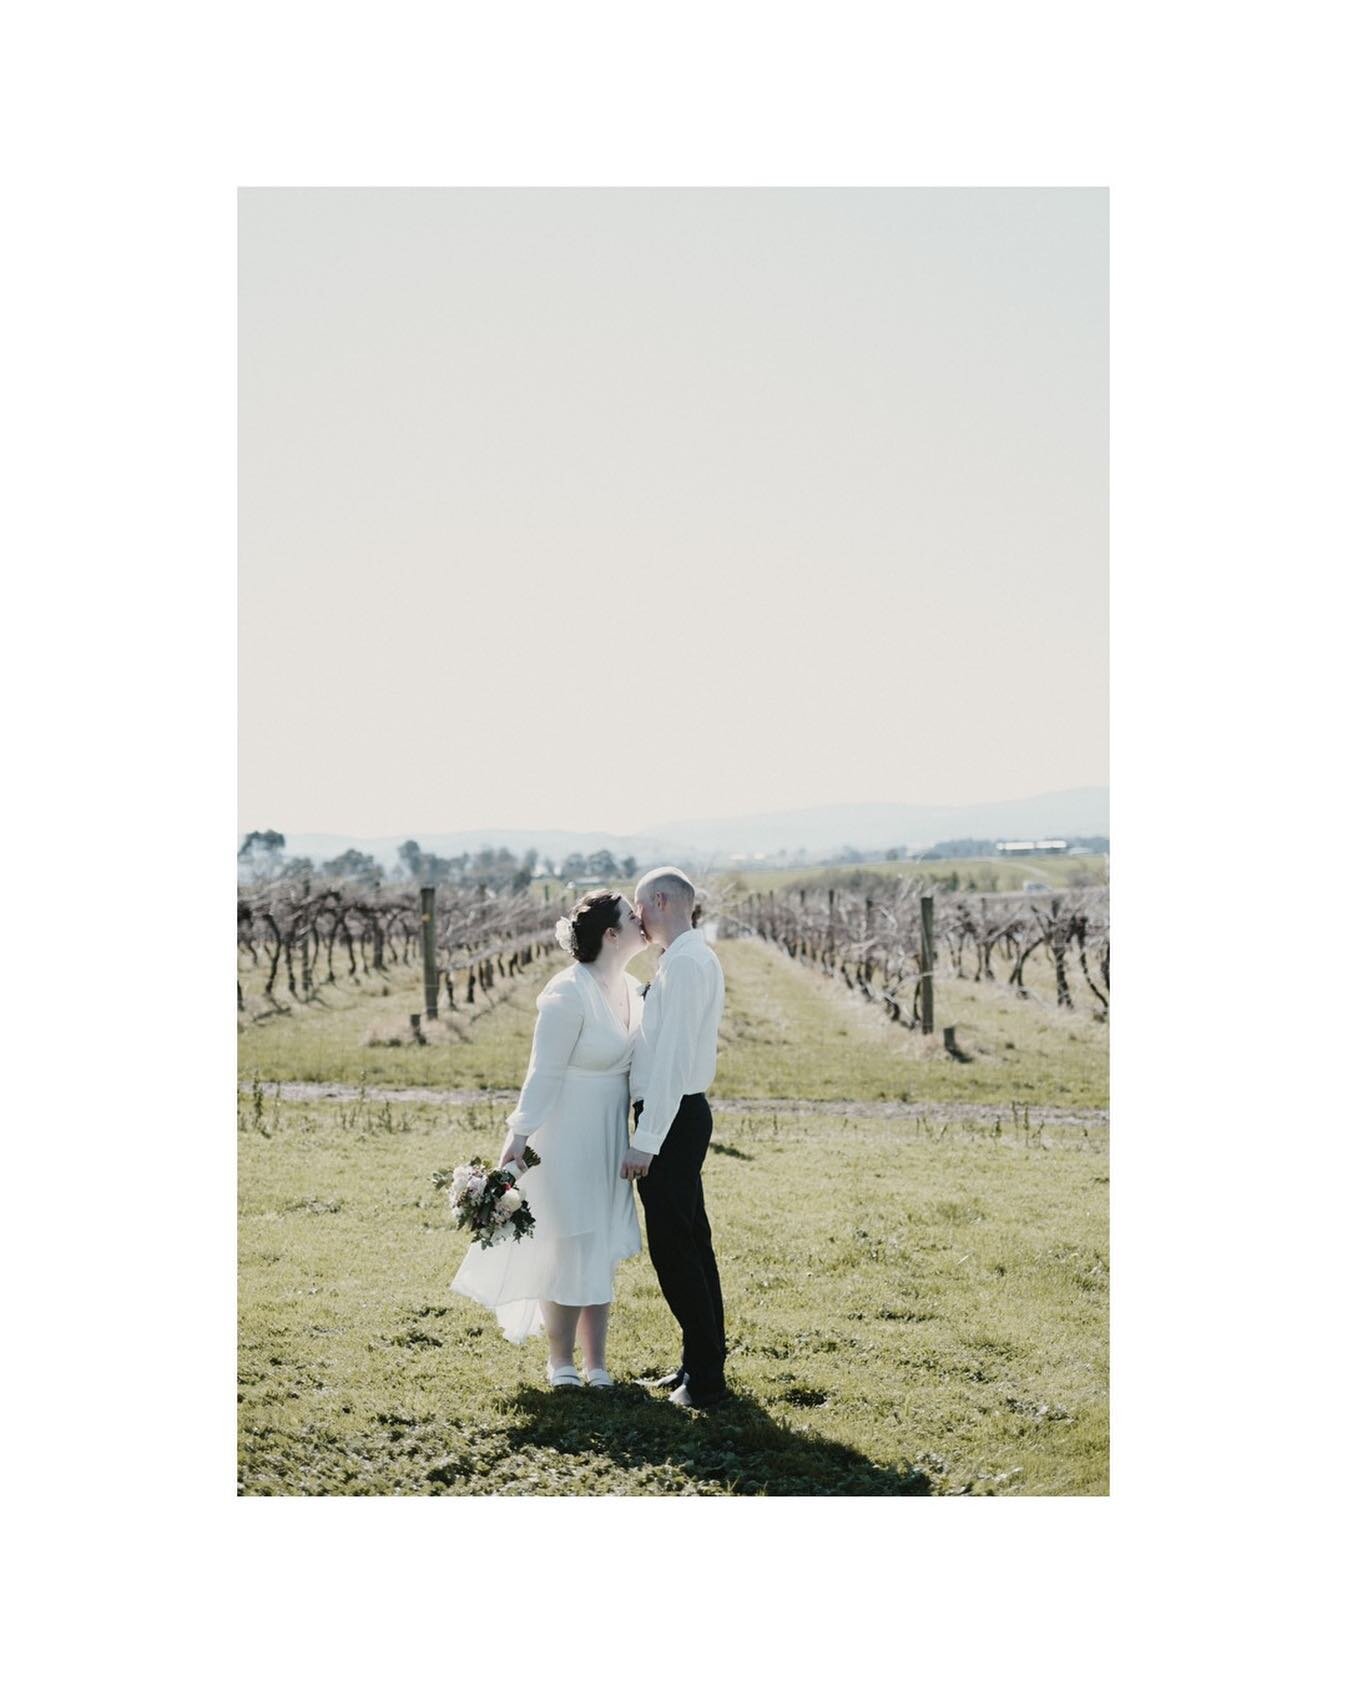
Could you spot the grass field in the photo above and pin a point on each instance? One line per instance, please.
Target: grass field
(787, 1033)
(908, 1313)
(916, 1298)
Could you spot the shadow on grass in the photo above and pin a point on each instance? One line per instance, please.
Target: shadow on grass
(738, 1445)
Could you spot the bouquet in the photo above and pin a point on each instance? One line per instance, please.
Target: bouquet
(487, 1201)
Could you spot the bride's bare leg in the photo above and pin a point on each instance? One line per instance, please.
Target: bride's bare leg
(560, 1322)
(594, 1334)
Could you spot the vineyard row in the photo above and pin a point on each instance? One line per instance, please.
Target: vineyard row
(881, 942)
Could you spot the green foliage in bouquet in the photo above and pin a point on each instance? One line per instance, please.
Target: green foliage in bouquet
(486, 1200)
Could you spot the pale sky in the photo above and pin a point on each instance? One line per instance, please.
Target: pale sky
(598, 508)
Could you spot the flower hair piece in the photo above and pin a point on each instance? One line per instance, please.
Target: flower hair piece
(565, 932)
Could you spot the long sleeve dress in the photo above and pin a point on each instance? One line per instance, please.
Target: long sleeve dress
(573, 1109)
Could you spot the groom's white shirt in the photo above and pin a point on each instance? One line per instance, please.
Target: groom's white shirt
(675, 1049)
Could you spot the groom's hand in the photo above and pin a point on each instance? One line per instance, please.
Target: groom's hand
(636, 1164)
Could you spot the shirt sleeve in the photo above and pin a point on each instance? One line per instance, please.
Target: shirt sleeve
(680, 1015)
(561, 1015)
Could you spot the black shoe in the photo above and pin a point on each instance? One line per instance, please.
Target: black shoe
(671, 1380)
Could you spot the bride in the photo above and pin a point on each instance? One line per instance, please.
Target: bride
(573, 1112)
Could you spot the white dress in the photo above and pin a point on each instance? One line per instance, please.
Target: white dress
(573, 1108)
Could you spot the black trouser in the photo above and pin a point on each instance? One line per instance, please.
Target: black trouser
(679, 1236)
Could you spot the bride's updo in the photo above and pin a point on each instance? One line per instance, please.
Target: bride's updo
(581, 933)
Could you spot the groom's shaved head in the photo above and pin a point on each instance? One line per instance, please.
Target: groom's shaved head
(668, 879)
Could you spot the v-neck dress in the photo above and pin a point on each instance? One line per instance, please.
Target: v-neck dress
(573, 1109)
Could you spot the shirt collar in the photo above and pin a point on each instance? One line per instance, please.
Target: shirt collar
(690, 935)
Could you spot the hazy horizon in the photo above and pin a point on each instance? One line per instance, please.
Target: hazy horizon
(1066, 812)
(599, 509)
(403, 832)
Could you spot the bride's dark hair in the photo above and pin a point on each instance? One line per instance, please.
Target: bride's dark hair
(590, 919)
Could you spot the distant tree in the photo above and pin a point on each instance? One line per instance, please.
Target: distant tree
(260, 855)
(296, 867)
(410, 854)
(529, 861)
(550, 865)
(491, 867)
(969, 847)
(602, 864)
(353, 866)
(574, 864)
(628, 866)
(432, 869)
(262, 845)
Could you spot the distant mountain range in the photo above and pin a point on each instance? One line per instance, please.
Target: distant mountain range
(813, 832)
(1075, 811)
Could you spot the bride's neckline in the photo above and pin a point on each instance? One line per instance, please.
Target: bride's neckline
(598, 987)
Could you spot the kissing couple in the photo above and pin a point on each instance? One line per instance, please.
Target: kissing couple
(603, 1045)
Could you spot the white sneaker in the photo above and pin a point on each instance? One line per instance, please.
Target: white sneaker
(598, 1379)
(562, 1377)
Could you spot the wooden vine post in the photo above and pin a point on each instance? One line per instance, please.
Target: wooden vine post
(429, 971)
(927, 964)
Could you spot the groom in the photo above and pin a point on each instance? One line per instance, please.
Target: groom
(673, 1062)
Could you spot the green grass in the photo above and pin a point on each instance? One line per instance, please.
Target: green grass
(349, 1032)
(909, 1311)
(914, 1305)
(788, 1033)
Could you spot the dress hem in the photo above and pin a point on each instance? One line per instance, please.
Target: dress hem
(497, 1302)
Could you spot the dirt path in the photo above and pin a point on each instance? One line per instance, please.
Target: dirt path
(310, 1091)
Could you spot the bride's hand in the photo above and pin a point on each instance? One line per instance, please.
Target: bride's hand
(513, 1151)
